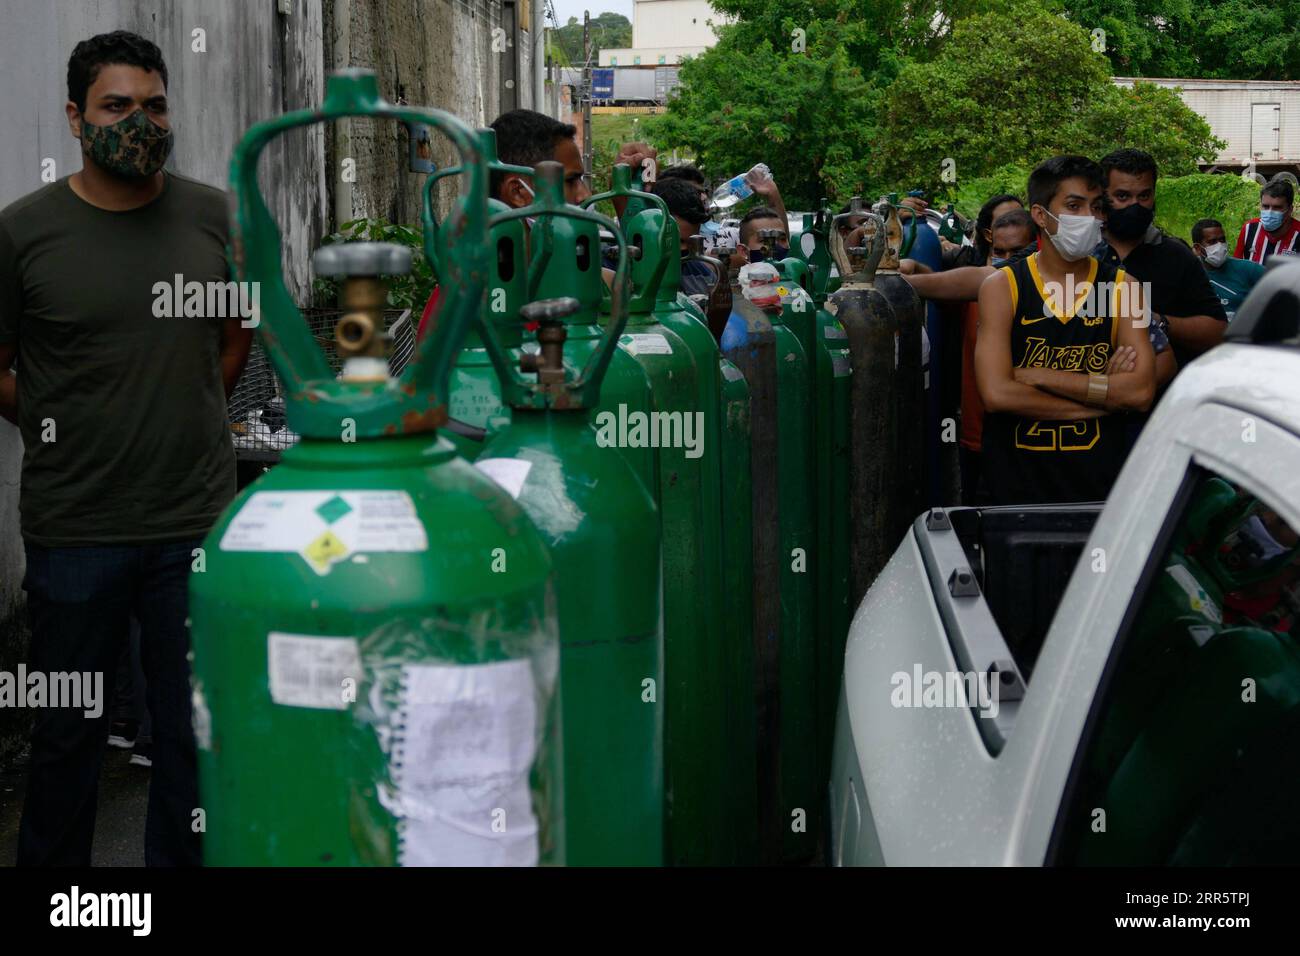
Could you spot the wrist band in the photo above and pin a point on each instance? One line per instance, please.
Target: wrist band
(1098, 386)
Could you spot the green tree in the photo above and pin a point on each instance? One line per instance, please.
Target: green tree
(808, 116)
(1222, 39)
(608, 31)
(1017, 89)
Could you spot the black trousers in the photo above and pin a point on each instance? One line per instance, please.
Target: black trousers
(80, 601)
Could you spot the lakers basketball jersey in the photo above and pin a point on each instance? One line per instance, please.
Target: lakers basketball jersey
(1074, 330)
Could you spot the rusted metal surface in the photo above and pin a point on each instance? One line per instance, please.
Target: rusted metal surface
(431, 420)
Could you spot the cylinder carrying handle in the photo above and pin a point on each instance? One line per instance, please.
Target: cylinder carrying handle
(315, 401)
(584, 390)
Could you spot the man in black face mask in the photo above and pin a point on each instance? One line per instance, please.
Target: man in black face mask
(127, 451)
(756, 220)
(1184, 308)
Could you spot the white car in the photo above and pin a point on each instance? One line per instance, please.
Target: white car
(1098, 685)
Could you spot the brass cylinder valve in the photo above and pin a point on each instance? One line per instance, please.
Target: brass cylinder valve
(548, 362)
(359, 335)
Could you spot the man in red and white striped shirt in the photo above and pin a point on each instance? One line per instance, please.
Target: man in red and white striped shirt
(1273, 232)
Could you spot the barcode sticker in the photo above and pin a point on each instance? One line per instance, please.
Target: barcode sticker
(310, 671)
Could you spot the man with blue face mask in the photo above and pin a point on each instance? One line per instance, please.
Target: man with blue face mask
(1273, 232)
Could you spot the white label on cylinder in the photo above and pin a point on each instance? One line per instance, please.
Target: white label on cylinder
(834, 332)
(305, 670)
(648, 343)
(326, 527)
(509, 473)
(1197, 597)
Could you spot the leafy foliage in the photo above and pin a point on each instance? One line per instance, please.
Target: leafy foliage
(807, 116)
(971, 193)
(410, 291)
(1017, 90)
(608, 31)
(1224, 39)
(879, 96)
(1229, 199)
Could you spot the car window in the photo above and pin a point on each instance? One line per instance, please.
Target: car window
(1193, 757)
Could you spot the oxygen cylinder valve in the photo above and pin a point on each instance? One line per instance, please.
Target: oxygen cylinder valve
(768, 238)
(359, 334)
(549, 314)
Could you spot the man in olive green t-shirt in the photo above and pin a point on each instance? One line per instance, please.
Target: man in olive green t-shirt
(127, 455)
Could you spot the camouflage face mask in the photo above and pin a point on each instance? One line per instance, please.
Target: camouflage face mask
(133, 148)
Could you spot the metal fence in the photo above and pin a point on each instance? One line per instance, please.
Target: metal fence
(257, 418)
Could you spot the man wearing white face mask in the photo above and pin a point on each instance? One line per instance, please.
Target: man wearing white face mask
(1230, 277)
(1049, 327)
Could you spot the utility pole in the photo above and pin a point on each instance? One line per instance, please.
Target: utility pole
(537, 30)
(586, 91)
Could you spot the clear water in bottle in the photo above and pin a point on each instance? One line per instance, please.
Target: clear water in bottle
(737, 187)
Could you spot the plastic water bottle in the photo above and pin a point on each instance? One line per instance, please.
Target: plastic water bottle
(737, 188)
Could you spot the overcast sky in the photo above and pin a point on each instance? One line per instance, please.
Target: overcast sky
(573, 8)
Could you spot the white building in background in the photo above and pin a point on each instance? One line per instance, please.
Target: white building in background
(666, 31)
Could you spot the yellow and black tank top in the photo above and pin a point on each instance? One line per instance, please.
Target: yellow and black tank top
(1031, 462)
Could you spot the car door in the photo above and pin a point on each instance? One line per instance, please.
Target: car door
(1159, 695)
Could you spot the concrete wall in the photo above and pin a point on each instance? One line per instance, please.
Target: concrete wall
(670, 23)
(467, 57)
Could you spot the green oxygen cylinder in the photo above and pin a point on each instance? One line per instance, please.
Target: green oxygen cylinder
(738, 601)
(826, 343)
(563, 256)
(737, 564)
(368, 688)
(677, 312)
(774, 364)
(800, 624)
(684, 430)
(599, 522)
(474, 403)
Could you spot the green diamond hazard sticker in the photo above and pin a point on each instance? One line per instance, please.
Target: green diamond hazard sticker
(333, 510)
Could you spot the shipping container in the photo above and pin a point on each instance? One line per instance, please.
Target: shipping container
(666, 82)
(1258, 120)
(602, 85)
(632, 85)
